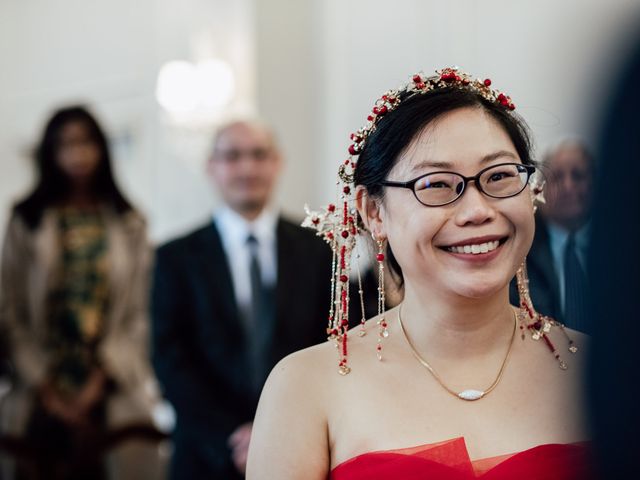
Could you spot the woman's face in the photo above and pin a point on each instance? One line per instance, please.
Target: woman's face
(78, 155)
(463, 141)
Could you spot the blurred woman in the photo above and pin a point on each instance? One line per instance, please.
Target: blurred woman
(75, 262)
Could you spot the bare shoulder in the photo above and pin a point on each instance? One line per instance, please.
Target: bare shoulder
(559, 355)
(302, 369)
(291, 421)
(315, 370)
(572, 348)
(575, 342)
(582, 340)
(296, 387)
(578, 349)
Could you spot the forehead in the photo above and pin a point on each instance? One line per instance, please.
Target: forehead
(243, 135)
(567, 157)
(74, 128)
(459, 139)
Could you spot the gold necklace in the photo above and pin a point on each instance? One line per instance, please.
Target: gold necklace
(469, 394)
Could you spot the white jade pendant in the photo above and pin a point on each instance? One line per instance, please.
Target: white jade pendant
(471, 395)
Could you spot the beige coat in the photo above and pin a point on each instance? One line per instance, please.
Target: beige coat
(30, 259)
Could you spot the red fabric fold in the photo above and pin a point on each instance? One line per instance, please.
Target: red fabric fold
(449, 460)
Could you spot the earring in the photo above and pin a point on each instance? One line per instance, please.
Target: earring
(363, 318)
(526, 306)
(382, 322)
(539, 325)
(537, 193)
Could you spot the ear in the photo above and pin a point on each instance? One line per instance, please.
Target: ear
(371, 212)
(212, 169)
(209, 165)
(536, 191)
(279, 159)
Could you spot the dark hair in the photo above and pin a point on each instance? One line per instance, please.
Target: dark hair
(399, 127)
(53, 184)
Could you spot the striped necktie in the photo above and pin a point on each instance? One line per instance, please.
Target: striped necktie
(259, 319)
(575, 288)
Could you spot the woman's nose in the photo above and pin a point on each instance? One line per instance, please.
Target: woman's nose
(473, 207)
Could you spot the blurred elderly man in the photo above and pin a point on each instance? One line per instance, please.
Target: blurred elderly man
(557, 260)
(226, 301)
(569, 190)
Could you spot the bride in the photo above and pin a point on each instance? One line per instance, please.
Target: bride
(454, 382)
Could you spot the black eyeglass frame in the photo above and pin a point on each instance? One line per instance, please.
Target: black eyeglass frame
(530, 169)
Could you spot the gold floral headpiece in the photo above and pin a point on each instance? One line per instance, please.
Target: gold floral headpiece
(337, 223)
(421, 84)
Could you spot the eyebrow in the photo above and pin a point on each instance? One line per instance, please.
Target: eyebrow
(486, 159)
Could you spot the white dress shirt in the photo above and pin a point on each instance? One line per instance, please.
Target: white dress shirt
(234, 231)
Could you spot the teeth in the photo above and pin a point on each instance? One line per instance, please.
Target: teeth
(475, 249)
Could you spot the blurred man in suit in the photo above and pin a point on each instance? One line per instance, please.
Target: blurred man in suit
(225, 302)
(557, 260)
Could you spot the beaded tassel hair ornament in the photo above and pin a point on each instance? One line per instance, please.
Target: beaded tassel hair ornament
(339, 225)
(529, 319)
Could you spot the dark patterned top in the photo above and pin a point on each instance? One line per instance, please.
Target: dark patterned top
(79, 300)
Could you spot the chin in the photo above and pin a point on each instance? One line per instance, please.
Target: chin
(477, 293)
(252, 204)
(81, 175)
(478, 288)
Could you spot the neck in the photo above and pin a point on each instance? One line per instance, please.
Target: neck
(249, 214)
(570, 226)
(81, 197)
(441, 324)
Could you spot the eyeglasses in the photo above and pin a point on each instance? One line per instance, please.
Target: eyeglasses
(436, 189)
(235, 154)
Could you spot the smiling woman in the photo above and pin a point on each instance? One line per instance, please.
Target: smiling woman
(443, 183)
(423, 237)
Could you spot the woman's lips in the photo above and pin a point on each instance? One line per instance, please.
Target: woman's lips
(480, 249)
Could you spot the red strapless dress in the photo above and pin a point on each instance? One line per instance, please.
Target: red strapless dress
(449, 460)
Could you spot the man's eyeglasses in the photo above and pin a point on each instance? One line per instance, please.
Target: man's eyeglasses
(441, 188)
(235, 154)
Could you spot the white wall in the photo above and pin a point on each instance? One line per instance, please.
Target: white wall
(289, 90)
(552, 57)
(108, 54)
(313, 68)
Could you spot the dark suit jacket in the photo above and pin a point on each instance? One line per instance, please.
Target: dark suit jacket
(199, 344)
(614, 264)
(543, 280)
